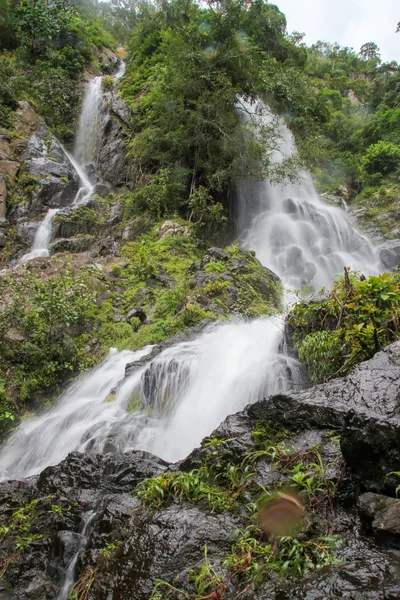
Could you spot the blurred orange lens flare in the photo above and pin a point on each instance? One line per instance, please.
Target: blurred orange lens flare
(281, 514)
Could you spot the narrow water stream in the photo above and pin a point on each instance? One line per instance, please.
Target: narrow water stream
(85, 152)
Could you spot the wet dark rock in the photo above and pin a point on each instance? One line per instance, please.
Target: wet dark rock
(102, 189)
(54, 179)
(136, 313)
(148, 550)
(91, 172)
(78, 244)
(116, 214)
(389, 254)
(54, 192)
(383, 515)
(106, 473)
(112, 162)
(27, 230)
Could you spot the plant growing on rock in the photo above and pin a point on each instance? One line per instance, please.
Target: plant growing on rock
(356, 320)
(194, 486)
(254, 560)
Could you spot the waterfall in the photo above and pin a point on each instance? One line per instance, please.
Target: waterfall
(89, 131)
(168, 405)
(42, 238)
(298, 236)
(87, 519)
(86, 148)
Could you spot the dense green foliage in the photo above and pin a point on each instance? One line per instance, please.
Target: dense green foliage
(38, 320)
(359, 317)
(358, 98)
(45, 46)
(189, 66)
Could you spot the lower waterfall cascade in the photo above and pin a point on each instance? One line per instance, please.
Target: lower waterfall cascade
(182, 394)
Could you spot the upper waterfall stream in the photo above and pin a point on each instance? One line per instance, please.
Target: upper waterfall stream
(85, 151)
(177, 398)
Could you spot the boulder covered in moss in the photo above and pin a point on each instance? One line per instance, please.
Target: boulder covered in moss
(233, 281)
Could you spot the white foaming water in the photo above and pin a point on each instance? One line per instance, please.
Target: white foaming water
(70, 573)
(86, 190)
(294, 233)
(86, 148)
(42, 238)
(187, 390)
(192, 387)
(80, 414)
(88, 138)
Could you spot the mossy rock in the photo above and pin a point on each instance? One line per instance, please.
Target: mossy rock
(233, 281)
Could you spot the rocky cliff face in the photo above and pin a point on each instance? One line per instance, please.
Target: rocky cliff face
(35, 175)
(343, 437)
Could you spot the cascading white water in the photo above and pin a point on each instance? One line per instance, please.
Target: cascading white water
(188, 389)
(86, 148)
(293, 232)
(86, 190)
(88, 137)
(70, 573)
(42, 238)
(81, 413)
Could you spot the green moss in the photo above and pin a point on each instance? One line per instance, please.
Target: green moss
(134, 403)
(20, 192)
(270, 433)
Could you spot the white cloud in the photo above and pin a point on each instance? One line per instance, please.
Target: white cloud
(349, 22)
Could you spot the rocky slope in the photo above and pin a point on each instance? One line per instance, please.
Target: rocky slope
(193, 525)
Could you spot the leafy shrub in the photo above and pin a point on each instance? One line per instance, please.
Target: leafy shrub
(383, 158)
(55, 92)
(359, 317)
(107, 83)
(194, 486)
(40, 324)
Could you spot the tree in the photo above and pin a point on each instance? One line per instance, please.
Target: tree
(39, 23)
(369, 51)
(7, 35)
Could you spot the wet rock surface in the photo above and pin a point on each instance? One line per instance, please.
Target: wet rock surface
(131, 545)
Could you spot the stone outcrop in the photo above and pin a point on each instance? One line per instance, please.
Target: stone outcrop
(383, 515)
(35, 172)
(130, 546)
(112, 163)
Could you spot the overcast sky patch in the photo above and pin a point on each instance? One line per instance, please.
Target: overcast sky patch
(348, 22)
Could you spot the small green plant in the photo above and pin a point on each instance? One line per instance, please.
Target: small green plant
(207, 584)
(21, 520)
(108, 550)
(55, 508)
(24, 541)
(397, 474)
(82, 587)
(356, 320)
(252, 559)
(107, 83)
(194, 486)
(270, 433)
(298, 556)
(206, 581)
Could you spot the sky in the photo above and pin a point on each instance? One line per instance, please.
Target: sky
(348, 22)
